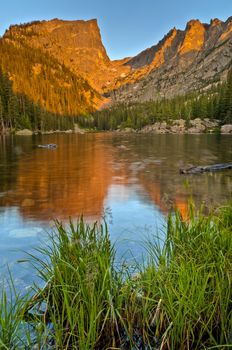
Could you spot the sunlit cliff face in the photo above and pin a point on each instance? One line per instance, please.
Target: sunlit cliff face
(194, 37)
(160, 55)
(76, 44)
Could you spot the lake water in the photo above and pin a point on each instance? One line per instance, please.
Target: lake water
(131, 179)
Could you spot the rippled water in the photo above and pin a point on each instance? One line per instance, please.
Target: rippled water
(133, 180)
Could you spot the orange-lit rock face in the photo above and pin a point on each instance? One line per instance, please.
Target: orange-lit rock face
(159, 57)
(142, 64)
(194, 37)
(77, 44)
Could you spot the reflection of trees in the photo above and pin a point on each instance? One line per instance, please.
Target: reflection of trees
(8, 163)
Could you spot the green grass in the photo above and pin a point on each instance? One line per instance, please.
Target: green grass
(12, 307)
(180, 297)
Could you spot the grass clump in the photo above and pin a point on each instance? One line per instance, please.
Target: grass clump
(180, 298)
(12, 306)
(81, 287)
(191, 277)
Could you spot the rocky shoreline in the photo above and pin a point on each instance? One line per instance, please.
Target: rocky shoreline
(178, 126)
(28, 132)
(181, 126)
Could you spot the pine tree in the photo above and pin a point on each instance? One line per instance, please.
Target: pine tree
(2, 126)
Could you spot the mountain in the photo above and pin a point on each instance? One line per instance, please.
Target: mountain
(183, 61)
(43, 79)
(76, 44)
(64, 67)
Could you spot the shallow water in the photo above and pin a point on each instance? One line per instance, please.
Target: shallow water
(133, 180)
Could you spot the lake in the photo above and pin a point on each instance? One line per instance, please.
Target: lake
(132, 180)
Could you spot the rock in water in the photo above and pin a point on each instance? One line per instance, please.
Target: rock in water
(48, 146)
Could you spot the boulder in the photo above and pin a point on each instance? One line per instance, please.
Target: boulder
(210, 124)
(157, 128)
(177, 129)
(226, 129)
(78, 130)
(179, 122)
(196, 121)
(197, 128)
(24, 132)
(128, 130)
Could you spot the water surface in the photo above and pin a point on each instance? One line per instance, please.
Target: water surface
(133, 180)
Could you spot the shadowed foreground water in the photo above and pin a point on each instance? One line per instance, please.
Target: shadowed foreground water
(132, 180)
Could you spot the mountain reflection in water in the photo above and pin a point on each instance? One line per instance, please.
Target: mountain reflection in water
(76, 177)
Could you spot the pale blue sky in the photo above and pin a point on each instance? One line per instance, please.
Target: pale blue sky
(127, 26)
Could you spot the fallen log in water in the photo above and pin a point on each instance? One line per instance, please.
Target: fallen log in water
(206, 168)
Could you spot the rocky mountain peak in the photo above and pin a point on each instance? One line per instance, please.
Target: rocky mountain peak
(193, 23)
(215, 22)
(56, 32)
(194, 37)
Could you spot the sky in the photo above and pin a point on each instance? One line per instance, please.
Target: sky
(127, 26)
